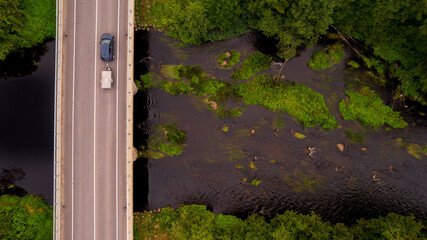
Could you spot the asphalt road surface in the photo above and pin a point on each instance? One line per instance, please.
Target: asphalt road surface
(94, 149)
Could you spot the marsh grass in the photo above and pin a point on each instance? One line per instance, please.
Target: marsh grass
(367, 108)
(252, 64)
(306, 105)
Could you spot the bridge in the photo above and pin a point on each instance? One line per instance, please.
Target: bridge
(93, 155)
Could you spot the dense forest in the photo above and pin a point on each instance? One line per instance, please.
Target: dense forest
(387, 36)
(25, 23)
(196, 222)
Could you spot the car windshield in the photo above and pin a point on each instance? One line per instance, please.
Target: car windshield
(105, 41)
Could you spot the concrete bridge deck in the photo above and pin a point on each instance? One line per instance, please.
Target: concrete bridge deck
(93, 126)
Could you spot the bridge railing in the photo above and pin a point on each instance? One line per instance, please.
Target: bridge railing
(57, 160)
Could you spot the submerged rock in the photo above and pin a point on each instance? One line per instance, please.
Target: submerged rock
(340, 147)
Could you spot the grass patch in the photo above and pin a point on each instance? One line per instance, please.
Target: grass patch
(228, 59)
(252, 64)
(354, 136)
(322, 60)
(165, 139)
(367, 108)
(306, 105)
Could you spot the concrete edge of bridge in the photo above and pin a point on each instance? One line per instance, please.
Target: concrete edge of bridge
(129, 146)
(58, 155)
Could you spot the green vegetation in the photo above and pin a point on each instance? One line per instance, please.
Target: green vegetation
(164, 139)
(353, 64)
(414, 149)
(354, 136)
(367, 108)
(393, 33)
(26, 217)
(298, 135)
(228, 59)
(322, 60)
(252, 64)
(196, 222)
(25, 23)
(297, 100)
(301, 182)
(182, 79)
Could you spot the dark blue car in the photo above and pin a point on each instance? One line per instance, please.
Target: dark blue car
(107, 47)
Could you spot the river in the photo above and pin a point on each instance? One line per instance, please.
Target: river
(26, 122)
(366, 180)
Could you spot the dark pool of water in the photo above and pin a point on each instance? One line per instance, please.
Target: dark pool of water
(26, 122)
(340, 186)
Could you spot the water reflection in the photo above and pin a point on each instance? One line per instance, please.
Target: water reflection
(9, 179)
(22, 62)
(26, 122)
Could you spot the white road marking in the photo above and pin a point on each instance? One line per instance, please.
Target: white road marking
(94, 123)
(72, 124)
(117, 120)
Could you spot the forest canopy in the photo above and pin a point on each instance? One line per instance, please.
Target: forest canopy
(391, 33)
(25, 23)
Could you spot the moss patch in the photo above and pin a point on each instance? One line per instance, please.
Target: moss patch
(367, 108)
(322, 60)
(165, 139)
(297, 100)
(228, 59)
(252, 64)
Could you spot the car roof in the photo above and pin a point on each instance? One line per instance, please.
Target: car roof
(107, 36)
(105, 52)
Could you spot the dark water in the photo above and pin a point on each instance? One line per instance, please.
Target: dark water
(340, 186)
(26, 119)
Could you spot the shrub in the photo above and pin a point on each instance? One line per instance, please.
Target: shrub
(368, 109)
(26, 217)
(390, 227)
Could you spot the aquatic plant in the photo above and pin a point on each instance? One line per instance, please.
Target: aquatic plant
(414, 149)
(228, 59)
(367, 108)
(298, 135)
(306, 105)
(354, 136)
(252, 64)
(255, 182)
(322, 60)
(191, 79)
(165, 139)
